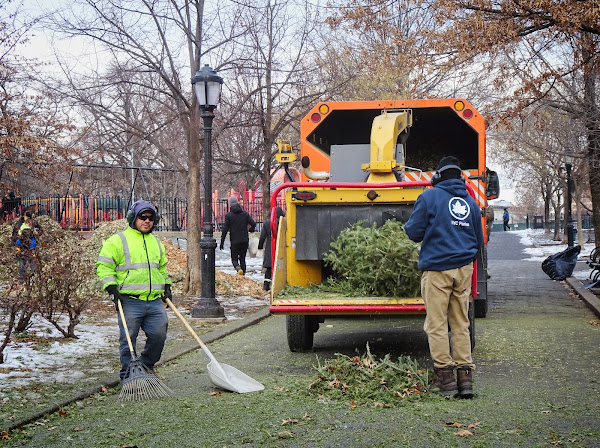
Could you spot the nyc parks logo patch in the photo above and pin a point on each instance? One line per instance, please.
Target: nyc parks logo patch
(459, 208)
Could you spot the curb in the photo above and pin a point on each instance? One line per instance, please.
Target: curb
(235, 326)
(590, 299)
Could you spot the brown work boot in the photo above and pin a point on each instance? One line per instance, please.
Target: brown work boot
(445, 382)
(465, 382)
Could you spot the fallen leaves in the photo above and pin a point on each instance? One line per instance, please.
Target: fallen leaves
(237, 285)
(465, 432)
(289, 421)
(5, 436)
(285, 435)
(595, 322)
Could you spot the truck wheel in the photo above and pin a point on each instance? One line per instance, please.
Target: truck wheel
(481, 303)
(481, 307)
(472, 323)
(300, 332)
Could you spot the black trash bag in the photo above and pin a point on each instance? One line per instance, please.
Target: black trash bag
(560, 265)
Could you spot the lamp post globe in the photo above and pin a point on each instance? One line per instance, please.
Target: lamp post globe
(207, 88)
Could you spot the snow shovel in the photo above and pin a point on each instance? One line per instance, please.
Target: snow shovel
(222, 375)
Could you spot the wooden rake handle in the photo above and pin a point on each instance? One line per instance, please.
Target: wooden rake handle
(185, 322)
(126, 329)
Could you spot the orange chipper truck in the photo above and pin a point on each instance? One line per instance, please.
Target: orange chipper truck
(368, 161)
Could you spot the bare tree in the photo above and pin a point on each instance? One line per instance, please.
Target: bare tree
(535, 147)
(541, 51)
(121, 124)
(162, 39)
(275, 79)
(32, 127)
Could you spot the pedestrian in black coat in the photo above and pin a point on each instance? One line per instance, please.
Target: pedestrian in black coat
(265, 242)
(237, 223)
(506, 219)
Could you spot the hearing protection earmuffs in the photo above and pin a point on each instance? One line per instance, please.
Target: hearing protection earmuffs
(437, 177)
(130, 215)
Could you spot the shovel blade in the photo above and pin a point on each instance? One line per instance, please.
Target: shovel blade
(229, 378)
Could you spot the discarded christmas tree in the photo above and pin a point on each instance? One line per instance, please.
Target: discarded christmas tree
(374, 261)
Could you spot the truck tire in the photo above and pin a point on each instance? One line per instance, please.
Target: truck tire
(481, 302)
(481, 307)
(300, 332)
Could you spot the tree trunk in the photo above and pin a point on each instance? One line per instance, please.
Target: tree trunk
(579, 223)
(24, 321)
(8, 331)
(592, 129)
(556, 207)
(194, 255)
(547, 200)
(265, 177)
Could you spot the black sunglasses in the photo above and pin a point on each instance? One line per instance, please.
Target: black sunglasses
(146, 217)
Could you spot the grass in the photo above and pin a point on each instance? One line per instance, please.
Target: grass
(527, 395)
(536, 385)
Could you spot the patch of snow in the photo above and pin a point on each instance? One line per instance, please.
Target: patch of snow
(25, 363)
(539, 245)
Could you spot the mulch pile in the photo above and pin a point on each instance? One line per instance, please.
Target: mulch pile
(225, 284)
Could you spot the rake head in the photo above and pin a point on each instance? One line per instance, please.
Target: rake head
(142, 383)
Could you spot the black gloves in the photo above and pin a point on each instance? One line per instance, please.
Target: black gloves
(167, 294)
(221, 246)
(114, 294)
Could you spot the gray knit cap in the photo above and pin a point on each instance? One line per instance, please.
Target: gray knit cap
(232, 201)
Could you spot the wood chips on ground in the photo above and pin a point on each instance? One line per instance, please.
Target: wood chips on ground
(225, 284)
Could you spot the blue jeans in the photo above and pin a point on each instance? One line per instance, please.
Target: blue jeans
(152, 318)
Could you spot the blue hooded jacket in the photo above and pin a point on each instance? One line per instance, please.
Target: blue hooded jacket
(447, 220)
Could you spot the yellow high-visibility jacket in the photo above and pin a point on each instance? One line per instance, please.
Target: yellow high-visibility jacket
(135, 262)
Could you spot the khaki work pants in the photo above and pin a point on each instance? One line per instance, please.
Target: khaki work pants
(446, 295)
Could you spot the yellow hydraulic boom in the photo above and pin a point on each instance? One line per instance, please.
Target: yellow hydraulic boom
(384, 135)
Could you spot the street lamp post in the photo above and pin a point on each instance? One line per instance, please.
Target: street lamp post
(207, 88)
(568, 166)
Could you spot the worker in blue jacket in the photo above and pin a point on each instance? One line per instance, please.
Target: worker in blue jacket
(447, 221)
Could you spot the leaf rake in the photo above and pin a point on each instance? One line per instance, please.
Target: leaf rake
(140, 382)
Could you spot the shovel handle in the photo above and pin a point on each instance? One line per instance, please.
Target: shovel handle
(185, 322)
(125, 326)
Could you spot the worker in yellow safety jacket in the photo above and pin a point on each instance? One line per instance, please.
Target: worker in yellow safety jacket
(132, 267)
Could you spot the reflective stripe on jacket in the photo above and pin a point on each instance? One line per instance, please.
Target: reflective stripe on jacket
(135, 262)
